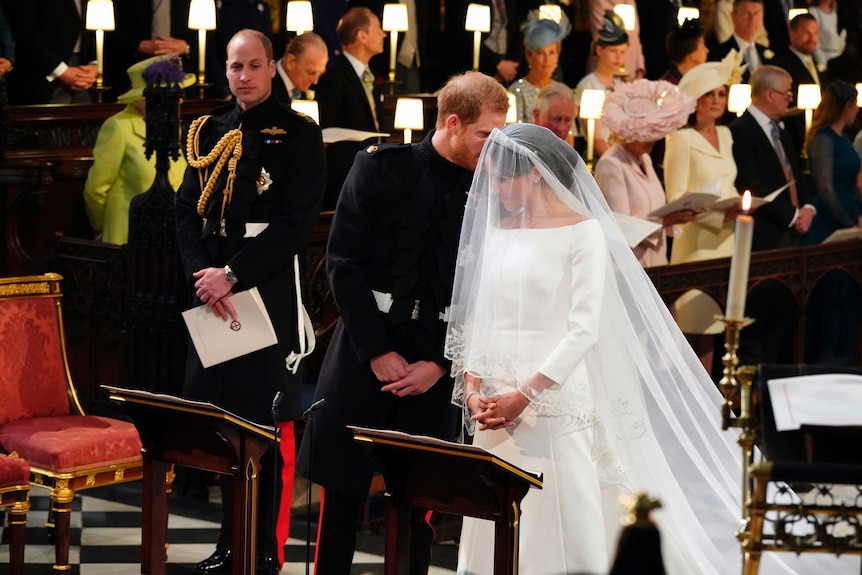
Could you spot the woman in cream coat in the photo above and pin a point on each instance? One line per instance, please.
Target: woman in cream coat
(700, 154)
(120, 168)
(696, 156)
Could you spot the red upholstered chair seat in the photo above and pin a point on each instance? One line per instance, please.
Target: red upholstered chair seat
(13, 472)
(73, 443)
(40, 416)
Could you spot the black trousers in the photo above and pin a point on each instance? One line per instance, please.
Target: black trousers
(336, 536)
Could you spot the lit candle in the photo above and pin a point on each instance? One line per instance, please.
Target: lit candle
(393, 49)
(591, 140)
(738, 282)
(477, 42)
(100, 50)
(202, 50)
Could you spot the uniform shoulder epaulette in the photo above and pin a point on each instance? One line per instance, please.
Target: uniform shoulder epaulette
(383, 148)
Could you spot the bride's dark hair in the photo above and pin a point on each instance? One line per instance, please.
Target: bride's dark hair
(559, 157)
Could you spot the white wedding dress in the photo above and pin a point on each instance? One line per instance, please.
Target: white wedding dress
(631, 407)
(570, 525)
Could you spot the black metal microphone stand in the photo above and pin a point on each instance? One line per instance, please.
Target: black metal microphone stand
(276, 433)
(309, 428)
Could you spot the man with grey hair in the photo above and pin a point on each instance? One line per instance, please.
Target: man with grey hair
(555, 110)
(300, 68)
(766, 160)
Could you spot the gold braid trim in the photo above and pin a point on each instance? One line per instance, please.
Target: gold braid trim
(227, 149)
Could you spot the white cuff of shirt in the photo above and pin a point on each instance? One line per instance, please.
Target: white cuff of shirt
(58, 71)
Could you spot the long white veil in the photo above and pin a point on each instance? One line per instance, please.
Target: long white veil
(655, 408)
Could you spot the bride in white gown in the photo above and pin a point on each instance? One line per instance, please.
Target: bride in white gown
(569, 364)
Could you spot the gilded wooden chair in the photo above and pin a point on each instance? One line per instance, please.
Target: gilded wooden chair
(802, 491)
(41, 418)
(15, 499)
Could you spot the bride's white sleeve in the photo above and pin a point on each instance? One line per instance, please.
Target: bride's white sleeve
(589, 261)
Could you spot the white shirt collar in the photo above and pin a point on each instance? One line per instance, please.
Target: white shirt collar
(764, 121)
(282, 73)
(358, 66)
(743, 45)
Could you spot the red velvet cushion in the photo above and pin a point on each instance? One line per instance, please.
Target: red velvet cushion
(71, 443)
(32, 372)
(13, 471)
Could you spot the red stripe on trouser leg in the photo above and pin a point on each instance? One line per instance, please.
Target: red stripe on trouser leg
(319, 524)
(288, 454)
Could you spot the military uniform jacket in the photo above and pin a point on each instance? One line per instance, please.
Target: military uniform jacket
(395, 231)
(289, 148)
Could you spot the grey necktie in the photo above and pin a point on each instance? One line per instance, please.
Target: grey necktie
(368, 85)
(785, 163)
(752, 58)
(161, 18)
(295, 94)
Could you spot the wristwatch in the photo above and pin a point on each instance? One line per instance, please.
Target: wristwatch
(231, 277)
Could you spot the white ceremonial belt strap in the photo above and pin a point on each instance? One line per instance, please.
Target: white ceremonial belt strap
(384, 304)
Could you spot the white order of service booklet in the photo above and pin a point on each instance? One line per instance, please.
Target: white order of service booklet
(217, 340)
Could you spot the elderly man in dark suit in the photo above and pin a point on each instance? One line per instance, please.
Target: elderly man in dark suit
(54, 52)
(766, 160)
(747, 16)
(241, 229)
(347, 94)
(146, 28)
(391, 264)
(799, 63)
(300, 68)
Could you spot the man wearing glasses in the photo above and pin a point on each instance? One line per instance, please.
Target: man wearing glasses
(766, 160)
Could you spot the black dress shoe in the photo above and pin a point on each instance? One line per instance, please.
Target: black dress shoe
(218, 563)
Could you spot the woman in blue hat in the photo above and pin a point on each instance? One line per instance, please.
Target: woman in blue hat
(542, 42)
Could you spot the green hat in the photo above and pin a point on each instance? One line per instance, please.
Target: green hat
(136, 75)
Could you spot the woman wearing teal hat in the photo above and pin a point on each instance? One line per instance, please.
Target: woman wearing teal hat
(120, 169)
(542, 42)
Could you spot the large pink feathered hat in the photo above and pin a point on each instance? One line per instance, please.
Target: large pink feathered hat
(646, 110)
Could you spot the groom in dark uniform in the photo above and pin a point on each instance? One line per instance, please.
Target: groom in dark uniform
(391, 264)
(241, 230)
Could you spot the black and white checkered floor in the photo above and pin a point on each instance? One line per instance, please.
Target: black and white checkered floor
(106, 537)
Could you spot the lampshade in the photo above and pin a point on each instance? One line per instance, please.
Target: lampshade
(739, 98)
(299, 17)
(100, 15)
(686, 13)
(512, 111)
(627, 13)
(551, 12)
(592, 102)
(859, 95)
(808, 96)
(202, 15)
(794, 12)
(409, 114)
(307, 107)
(478, 18)
(395, 17)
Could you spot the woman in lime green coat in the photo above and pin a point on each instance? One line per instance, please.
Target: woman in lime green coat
(120, 169)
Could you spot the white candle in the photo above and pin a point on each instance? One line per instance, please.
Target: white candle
(393, 48)
(202, 50)
(738, 282)
(591, 140)
(100, 50)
